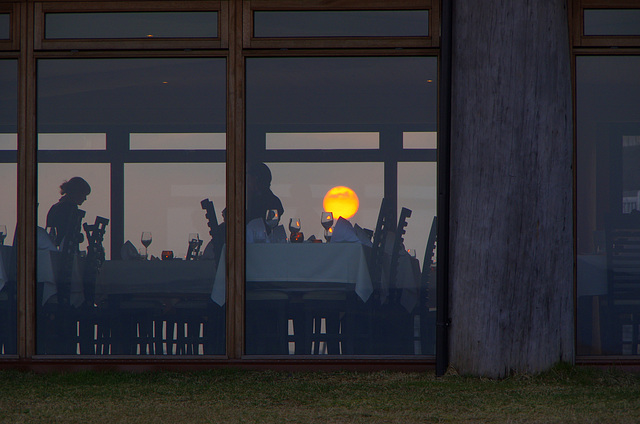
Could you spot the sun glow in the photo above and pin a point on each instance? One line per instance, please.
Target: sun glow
(342, 201)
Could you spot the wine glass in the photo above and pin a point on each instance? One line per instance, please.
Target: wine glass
(272, 218)
(294, 225)
(328, 232)
(145, 239)
(3, 234)
(326, 219)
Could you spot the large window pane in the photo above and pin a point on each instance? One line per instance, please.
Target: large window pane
(8, 206)
(105, 292)
(346, 291)
(608, 204)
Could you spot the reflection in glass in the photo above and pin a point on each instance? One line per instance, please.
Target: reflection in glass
(612, 22)
(99, 297)
(131, 25)
(8, 204)
(356, 291)
(608, 217)
(351, 23)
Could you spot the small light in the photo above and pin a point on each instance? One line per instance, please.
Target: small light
(149, 35)
(165, 82)
(429, 81)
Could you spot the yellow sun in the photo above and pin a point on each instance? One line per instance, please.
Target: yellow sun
(342, 201)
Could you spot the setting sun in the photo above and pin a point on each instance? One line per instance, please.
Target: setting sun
(342, 201)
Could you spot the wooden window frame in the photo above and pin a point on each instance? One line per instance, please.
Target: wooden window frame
(251, 42)
(41, 9)
(13, 43)
(28, 22)
(577, 24)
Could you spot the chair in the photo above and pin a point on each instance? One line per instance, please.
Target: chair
(267, 322)
(623, 267)
(426, 306)
(395, 325)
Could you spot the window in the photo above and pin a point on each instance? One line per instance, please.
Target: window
(138, 131)
(309, 291)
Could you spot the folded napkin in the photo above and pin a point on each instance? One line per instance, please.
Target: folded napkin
(343, 232)
(44, 240)
(128, 252)
(256, 231)
(278, 235)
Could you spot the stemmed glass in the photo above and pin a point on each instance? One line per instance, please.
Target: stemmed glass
(272, 219)
(326, 219)
(3, 234)
(145, 239)
(294, 227)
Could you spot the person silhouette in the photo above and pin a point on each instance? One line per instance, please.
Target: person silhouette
(63, 216)
(260, 198)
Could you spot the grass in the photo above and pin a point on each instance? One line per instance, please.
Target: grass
(563, 395)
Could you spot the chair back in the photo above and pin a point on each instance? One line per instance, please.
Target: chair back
(398, 244)
(384, 225)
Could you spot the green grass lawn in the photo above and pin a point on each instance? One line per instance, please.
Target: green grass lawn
(563, 395)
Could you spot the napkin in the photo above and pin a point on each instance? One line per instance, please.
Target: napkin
(278, 235)
(343, 232)
(44, 240)
(256, 231)
(129, 252)
(364, 236)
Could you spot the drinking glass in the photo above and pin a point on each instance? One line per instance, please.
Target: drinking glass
(294, 225)
(326, 219)
(328, 232)
(272, 218)
(145, 239)
(3, 233)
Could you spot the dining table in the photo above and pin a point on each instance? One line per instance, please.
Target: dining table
(301, 267)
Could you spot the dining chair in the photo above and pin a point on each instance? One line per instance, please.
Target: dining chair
(394, 329)
(426, 301)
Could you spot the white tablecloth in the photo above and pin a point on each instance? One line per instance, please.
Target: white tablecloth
(302, 266)
(46, 275)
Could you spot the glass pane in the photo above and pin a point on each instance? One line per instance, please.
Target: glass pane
(612, 22)
(312, 289)
(104, 287)
(608, 204)
(5, 26)
(131, 25)
(353, 23)
(8, 205)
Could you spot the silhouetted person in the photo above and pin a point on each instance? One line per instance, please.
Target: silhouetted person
(63, 216)
(260, 198)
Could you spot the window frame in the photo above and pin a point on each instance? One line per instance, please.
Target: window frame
(252, 42)
(42, 43)
(13, 43)
(577, 23)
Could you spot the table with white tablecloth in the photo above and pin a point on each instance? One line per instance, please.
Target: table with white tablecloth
(299, 267)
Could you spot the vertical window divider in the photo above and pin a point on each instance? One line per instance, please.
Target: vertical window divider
(27, 220)
(235, 186)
